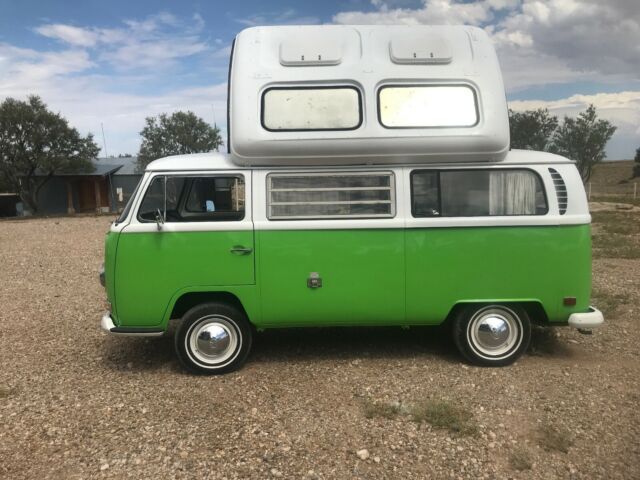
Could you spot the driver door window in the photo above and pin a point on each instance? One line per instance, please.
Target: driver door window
(194, 199)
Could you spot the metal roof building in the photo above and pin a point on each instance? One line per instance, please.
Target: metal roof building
(104, 189)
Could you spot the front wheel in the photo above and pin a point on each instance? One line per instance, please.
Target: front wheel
(213, 338)
(492, 335)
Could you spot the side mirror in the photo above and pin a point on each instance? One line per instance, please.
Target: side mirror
(159, 219)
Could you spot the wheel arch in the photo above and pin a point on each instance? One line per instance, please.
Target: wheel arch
(533, 307)
(186, 300)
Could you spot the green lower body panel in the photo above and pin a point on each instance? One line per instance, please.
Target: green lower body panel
(152, 269)
(362, 274)
(544, 264)
(368, 277)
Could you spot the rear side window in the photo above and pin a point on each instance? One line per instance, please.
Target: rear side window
(424, 106)
(330, 195)
(473, 193)
(311, 108)
(194, 199)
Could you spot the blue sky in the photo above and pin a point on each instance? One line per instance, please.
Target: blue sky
(116, 62)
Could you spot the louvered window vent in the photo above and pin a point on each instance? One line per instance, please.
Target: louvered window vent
(561, 190)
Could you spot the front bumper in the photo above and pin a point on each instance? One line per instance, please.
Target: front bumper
(587, 320)
(109, 327)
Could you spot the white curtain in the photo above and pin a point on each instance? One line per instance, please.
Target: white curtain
(512, 193)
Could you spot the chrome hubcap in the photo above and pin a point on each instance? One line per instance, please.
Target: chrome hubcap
(213, 340)
(494, 332)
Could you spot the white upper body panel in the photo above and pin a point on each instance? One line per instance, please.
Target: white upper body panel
(337, 95)
(575, 211)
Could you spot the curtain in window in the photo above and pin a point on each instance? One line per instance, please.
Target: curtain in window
(512, 193)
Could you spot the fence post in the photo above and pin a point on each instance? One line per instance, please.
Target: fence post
(635, 190)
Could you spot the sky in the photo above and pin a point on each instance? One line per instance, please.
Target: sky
(111, 64)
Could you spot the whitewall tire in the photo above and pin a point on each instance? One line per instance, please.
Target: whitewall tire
(492, 335)
(213, 338)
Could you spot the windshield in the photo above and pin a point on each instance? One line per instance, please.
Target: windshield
(127, 207)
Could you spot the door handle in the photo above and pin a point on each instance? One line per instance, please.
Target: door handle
(240, 250)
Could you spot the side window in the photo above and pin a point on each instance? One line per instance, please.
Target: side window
(127, 208)
(425, 194)
(214, 198)
(332, 195)
(473, 193)
(153, 201)
(311, 108)
(427, 106)
(194, 199)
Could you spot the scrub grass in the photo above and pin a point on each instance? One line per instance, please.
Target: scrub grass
(374, 409)
(554, 438)
(616, 234)
(445, 415)
(440, 414)
(520, 459)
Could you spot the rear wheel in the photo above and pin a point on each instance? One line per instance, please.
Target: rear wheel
(492, 335)
(213, 338)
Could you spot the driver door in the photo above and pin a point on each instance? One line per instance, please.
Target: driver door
(189, 231)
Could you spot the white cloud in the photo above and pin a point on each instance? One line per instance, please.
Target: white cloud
(622, 109)
(76, 36)
(123, 114)
(91, 76)
(88, 101)
(600, 39)
(432, 12)
(24, 69)
(545, 42)
(223, 52)
(538, 42)
(157, 40)
(288, 17)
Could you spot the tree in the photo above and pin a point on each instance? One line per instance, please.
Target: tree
(532, 129)
(636, 164)
(180, 133)
(583, 139)
(36, 144)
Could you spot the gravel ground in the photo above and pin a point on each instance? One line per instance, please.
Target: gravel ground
(328, 403)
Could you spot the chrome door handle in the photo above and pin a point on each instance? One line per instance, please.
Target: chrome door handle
(240, 250)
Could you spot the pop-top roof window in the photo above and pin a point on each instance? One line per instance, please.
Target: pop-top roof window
(420, 106)
(311, 108)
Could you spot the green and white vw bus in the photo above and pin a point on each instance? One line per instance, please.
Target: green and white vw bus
(351, 196)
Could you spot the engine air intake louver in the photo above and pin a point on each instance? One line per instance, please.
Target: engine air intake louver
(561, 190)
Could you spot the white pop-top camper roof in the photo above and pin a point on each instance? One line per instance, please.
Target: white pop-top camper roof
(336, 95)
